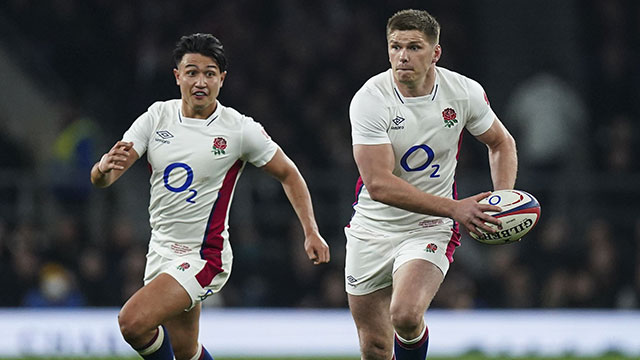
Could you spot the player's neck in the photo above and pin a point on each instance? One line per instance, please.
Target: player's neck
(197, 112)
(420, 87)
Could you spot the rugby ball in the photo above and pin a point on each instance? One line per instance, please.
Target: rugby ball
(520, 213)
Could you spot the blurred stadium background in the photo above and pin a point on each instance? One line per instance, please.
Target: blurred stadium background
(562, 75)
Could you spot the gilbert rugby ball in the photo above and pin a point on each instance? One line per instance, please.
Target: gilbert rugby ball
(520, 213)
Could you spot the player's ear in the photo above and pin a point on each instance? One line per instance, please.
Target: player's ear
(437, 52)
(176, 74)
(222, 77)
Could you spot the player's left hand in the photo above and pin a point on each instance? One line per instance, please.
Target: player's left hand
(317, 249)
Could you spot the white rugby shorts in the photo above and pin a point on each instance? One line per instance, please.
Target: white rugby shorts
(372, 257)
(184, 269)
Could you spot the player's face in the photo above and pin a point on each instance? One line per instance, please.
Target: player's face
(200, 80)
(411, 56)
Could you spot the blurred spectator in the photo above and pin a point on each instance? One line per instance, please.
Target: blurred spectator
(73, 155)
(56, 288)
(94, 280)
(602, 263)
(556, 289)
(7, 297)
(629, 295)
(617, 144)
(24, 262)
(548, 118)
(64, 244)
(458, 292)
(131, 271)
(15, 162)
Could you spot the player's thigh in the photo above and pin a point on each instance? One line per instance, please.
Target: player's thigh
(368, 261)
(415, 284)
(371, 315)
(197, 276)
(183, 330)
(421, 262)
(161, 299)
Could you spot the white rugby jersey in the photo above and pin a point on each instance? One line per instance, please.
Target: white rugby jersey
(425, 133)
(195, 165)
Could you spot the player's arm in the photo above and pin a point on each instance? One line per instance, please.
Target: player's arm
(283, 169)
(113, 164)
(375, 164)
(503, 157)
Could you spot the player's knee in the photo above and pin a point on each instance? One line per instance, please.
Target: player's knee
(375, 348)
(133, 328)
(406, 320)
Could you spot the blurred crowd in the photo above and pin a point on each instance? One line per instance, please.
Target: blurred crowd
(294, 67)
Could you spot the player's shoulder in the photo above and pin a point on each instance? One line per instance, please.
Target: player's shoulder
(455, 81)
(165, 104)
(164, 107)
(232, 116)
(379, 86)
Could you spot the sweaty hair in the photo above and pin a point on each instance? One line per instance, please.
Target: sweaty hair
(415, 20)
(204, 44)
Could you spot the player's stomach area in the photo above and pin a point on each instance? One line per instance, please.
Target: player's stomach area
(185, 224)
(435, 180)
(399, 221)
(391, 219)
(177, 238)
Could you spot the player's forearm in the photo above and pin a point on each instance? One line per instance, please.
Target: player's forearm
(298, 194)
(503, 160)
(100, 179)
(398, 193)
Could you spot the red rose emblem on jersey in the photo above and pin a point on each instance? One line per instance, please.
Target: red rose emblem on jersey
(220, 143)
(431, 248)
(449, 116)
(184, 266)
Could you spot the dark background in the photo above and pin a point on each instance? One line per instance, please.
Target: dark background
(562, 76)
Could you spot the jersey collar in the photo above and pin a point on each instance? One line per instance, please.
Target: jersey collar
(199, 122)
(416, 99)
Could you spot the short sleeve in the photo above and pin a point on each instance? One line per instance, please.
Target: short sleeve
(257, 146)
(480, 114)
(140, 132)
(369, 119)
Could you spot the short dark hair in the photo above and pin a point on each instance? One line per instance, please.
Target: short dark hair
(419, 20)
(205, 44)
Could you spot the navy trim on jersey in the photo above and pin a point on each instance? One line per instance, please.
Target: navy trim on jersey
(398, 94)
(435, 92)
(209, 123)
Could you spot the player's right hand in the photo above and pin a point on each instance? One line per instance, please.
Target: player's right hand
(317, 249)
(116, 157)
(472, 216)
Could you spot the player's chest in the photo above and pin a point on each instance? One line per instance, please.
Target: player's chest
(199, 148)
(434, 123)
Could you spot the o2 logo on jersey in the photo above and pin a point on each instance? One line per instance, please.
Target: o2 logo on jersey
(187, 182)
(426, 150)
